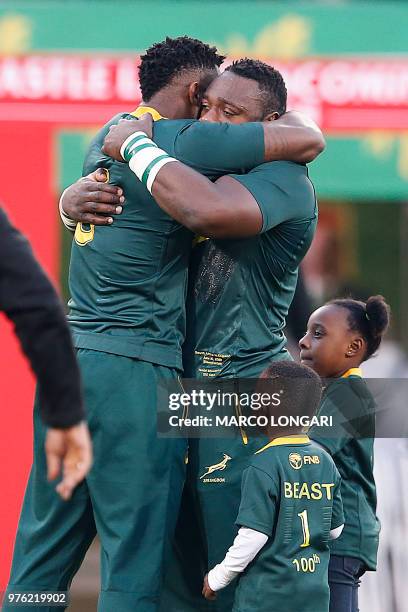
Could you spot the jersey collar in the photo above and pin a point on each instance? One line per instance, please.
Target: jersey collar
(286, 440)
(353, 372)
(141, 110)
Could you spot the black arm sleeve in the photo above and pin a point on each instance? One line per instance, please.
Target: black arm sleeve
(29, 300)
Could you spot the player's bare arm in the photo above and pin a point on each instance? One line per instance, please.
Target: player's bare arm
(224, 209)
(291, 137)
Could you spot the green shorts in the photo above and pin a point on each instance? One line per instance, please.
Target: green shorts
(130, 499)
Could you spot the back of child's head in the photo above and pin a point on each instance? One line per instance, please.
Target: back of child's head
(298, 386)
(370, 319)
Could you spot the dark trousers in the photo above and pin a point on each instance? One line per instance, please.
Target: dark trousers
(344, 580)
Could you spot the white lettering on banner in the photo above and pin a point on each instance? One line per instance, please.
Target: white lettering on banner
(303, 81)
(342, 83)
(339, 94)
(69, 78)
(127, 85)
(334, 84)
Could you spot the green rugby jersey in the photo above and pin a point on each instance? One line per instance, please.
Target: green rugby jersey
(290, 492)
(349, 402)
(128, 281)
(240, 290)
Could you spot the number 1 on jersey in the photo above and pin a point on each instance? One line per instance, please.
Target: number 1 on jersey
(305, 528)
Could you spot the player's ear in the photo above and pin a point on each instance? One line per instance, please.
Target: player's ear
(355, 347)
(195, 94)
(271, 116)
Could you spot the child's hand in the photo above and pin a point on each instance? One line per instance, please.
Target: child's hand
(207, 591)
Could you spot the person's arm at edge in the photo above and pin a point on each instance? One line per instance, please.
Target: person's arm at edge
(31, 303)
(29, 300)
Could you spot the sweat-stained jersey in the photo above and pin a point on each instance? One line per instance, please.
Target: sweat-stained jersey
(128, 281)
(240, 290)
(291, 493)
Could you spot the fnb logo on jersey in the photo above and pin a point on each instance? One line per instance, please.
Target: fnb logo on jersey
(311, 459)
(297, 461)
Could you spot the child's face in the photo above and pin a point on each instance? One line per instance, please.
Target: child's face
(329, 347)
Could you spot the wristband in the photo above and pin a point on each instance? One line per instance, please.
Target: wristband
(144, 157)
(134, 141)
(67, 221)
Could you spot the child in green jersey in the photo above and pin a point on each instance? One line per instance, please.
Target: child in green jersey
(290, 507)
(340, 336)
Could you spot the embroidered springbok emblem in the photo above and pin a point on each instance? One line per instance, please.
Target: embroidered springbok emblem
(217, 466)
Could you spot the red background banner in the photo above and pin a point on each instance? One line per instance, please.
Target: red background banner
(341, 95)
(27, 194)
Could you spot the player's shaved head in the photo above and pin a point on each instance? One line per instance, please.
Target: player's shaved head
(165, 61)
(248, 90)
(272, 87)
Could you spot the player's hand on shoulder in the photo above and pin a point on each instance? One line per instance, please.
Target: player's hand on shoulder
(118, 133)
(145, 124)
(68, 451)
(207, 591)
(93, 200)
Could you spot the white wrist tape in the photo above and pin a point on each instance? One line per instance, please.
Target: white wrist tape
(67, 221)
(155, 169)
(144, 157)
(133, 141)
